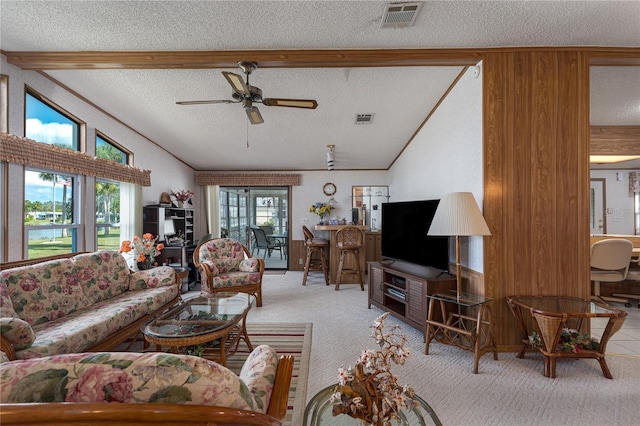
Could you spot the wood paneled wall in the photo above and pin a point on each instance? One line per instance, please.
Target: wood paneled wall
(536, 199)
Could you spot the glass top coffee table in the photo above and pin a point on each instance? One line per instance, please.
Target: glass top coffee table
(215, 325)
(552, 316)
(319, 411)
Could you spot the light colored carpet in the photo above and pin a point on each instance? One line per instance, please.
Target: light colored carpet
(510, 391)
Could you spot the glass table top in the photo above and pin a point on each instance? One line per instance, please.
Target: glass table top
(200, 315)
(562, 304)
(319, 411)
(465, 299)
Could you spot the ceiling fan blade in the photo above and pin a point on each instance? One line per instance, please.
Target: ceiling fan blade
(236, 82)
(254, 115)
(220, 101)
(293, 103)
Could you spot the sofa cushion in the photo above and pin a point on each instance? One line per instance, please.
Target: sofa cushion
(17, 331)
(102, 274)
(123, 377)
(225, 253)
(44, 292)
(259, 374)
(152, 278)
(234, 279)
(79, 331)
(6, 305)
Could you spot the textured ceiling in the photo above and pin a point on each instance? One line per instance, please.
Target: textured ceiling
(211, 136)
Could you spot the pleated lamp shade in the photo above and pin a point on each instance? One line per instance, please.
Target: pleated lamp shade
(458, 214)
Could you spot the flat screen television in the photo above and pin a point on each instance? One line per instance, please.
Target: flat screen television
(404, 234)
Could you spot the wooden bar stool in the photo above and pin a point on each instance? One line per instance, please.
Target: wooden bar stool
(349, 241)
(315, 246)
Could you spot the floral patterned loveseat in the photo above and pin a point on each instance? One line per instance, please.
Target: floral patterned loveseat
(145, 380)
(85, 303)
(226, 265)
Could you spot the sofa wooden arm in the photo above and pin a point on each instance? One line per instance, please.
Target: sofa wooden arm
(7, 347)
(280, 394)
(72, 413)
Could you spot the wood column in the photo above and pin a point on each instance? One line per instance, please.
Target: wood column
(536, 171)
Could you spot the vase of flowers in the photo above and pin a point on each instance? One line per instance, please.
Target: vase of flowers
(322, 210)
(369, 391)
(182, 197)
(145, 250)
(570, 340)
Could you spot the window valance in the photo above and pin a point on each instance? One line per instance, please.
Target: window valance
(246, 179)
(20, 150)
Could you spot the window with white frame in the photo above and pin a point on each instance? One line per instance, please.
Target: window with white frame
(108, 197)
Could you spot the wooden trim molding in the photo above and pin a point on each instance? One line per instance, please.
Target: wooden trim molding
(615, 140)
(247, 179)
(315, 58)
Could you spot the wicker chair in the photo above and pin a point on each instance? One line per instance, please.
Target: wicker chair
(349, 241)
(226, 265)
(316, 258)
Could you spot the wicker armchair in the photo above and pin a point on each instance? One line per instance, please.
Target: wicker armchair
(226, 265)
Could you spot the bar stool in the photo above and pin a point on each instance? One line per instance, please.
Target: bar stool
(349, 240)
(315, 246)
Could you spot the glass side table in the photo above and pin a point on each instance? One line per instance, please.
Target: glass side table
(458, 328)
(319, 412)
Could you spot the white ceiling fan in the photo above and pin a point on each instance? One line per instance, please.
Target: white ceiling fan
(247, 95)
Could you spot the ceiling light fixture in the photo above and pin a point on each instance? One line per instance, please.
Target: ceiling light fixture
(330, 157)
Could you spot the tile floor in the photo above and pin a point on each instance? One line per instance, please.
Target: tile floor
(627, 340)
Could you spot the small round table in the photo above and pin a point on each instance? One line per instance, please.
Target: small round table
(319, 412)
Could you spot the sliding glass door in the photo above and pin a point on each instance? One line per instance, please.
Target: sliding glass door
(263, 207)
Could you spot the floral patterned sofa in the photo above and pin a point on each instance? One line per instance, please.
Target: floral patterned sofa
(226, 265)
(144, 380)
(84, 303)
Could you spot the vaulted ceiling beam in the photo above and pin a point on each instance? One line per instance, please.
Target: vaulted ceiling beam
(317, 58)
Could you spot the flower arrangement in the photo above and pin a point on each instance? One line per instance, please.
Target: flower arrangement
(570, 340)
(321, 209)
(370, 392)
(184, 195)
(144, 249)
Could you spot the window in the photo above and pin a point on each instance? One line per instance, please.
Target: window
(49, 214)
(51, 225)
(108, 195)
(45, 124)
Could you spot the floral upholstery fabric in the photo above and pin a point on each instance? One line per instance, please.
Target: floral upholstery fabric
(81, 330)
(46, 292)
(137, 378)
(3, 357)
(70, 305)
(234, 279)
(259, 374)
(102, 275)
(225, 253)
(18, 331)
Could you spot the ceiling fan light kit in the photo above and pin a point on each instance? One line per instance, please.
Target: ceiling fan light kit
(246, 94)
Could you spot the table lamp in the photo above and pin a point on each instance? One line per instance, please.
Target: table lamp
(458, 215)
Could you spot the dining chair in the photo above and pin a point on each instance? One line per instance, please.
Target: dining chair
(263, 243)
(610, 261)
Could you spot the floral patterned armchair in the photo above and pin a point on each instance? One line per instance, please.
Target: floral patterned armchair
(226, 265)
(127, 378)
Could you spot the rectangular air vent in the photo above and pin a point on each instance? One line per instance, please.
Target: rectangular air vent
(400, 15)
(364, 118)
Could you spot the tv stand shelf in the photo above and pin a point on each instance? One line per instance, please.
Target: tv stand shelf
(389, 282)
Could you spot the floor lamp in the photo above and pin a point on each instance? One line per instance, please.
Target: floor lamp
(458, 215)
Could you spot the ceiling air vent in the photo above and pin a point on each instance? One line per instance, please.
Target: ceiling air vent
(400, 15)
(364, 118)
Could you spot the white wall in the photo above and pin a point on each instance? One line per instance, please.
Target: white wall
(446, 156)
(619, 201)
(168, 173)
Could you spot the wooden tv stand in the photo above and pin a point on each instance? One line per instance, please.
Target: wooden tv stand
(402, 288)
